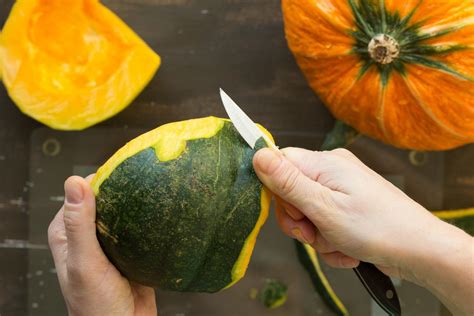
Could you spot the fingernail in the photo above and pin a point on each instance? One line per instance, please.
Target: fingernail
(296, 232)
(268, 160)
(73, 192)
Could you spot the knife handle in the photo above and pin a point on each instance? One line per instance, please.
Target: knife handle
(379, 286)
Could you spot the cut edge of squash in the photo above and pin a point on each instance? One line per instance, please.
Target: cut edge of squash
(175, 134)
(459, 213)
(322, 277)
(241, 265)
(135, 72)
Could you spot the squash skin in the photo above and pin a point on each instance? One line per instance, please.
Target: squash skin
(188, 223)
(419, 107)
(461, 218)
(70, 78)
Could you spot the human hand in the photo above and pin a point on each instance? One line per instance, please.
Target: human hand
(90, 283)
(345, 210)
(348, 212)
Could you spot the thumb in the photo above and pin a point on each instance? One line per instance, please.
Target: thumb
(79, 219)
(286, 180)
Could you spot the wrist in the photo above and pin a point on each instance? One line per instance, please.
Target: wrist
(429, 245)
(441, 260)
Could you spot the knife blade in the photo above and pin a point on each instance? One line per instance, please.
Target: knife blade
(244, 125)
(379, 285)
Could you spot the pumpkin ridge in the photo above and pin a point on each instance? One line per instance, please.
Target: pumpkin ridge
(343, 94)
(424, 36)
(328, 20)
(430, 114)
(436, 65)
(381, 111)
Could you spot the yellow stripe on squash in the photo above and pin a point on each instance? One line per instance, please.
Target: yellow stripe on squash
(168, 140)
(322, 278)
(244, 258)
(454, 213)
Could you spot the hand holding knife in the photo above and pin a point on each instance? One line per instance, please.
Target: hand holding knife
(379, 286)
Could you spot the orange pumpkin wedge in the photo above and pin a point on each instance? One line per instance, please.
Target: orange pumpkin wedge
(72, 63)
(399, 71)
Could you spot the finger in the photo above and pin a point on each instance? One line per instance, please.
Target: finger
(302, 230)
(79, 223)
(339, 260)
(344, 153)
(348, 156)
(320, 166)
(58, 243)
(292, 211)
(308, 161)
(321, 244)
(286, 180)
(144, 298)
(90, 177)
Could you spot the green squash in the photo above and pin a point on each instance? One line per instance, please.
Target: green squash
(308, 258)
(273, 294)
(180, 207)
(461, 218)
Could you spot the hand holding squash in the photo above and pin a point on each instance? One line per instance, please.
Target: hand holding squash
(91, 285)
(345, 210)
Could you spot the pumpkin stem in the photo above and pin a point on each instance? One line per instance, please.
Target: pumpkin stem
(383, 48)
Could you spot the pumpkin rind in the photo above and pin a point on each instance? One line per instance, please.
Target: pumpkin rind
(420, 98)
(308, 258)
(71, 64)
(187, 221)
(461, 218)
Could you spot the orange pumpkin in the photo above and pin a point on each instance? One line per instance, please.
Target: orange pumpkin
(399, 71)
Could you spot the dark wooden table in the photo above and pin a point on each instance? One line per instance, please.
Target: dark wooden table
(238, 45)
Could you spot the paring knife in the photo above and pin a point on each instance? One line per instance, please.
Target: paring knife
(379, 286)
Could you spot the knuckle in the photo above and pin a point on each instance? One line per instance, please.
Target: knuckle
(322, 199)
(321, 207)
(72, 221)
(289, 181)
(52, 238)
(325, 159)
(342, 151)
(55, 235)
(75, 273)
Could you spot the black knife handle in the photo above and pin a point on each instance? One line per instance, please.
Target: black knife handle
(380, 287)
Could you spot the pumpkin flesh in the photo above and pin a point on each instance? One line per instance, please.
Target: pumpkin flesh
(71, 64)
(420, 98)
